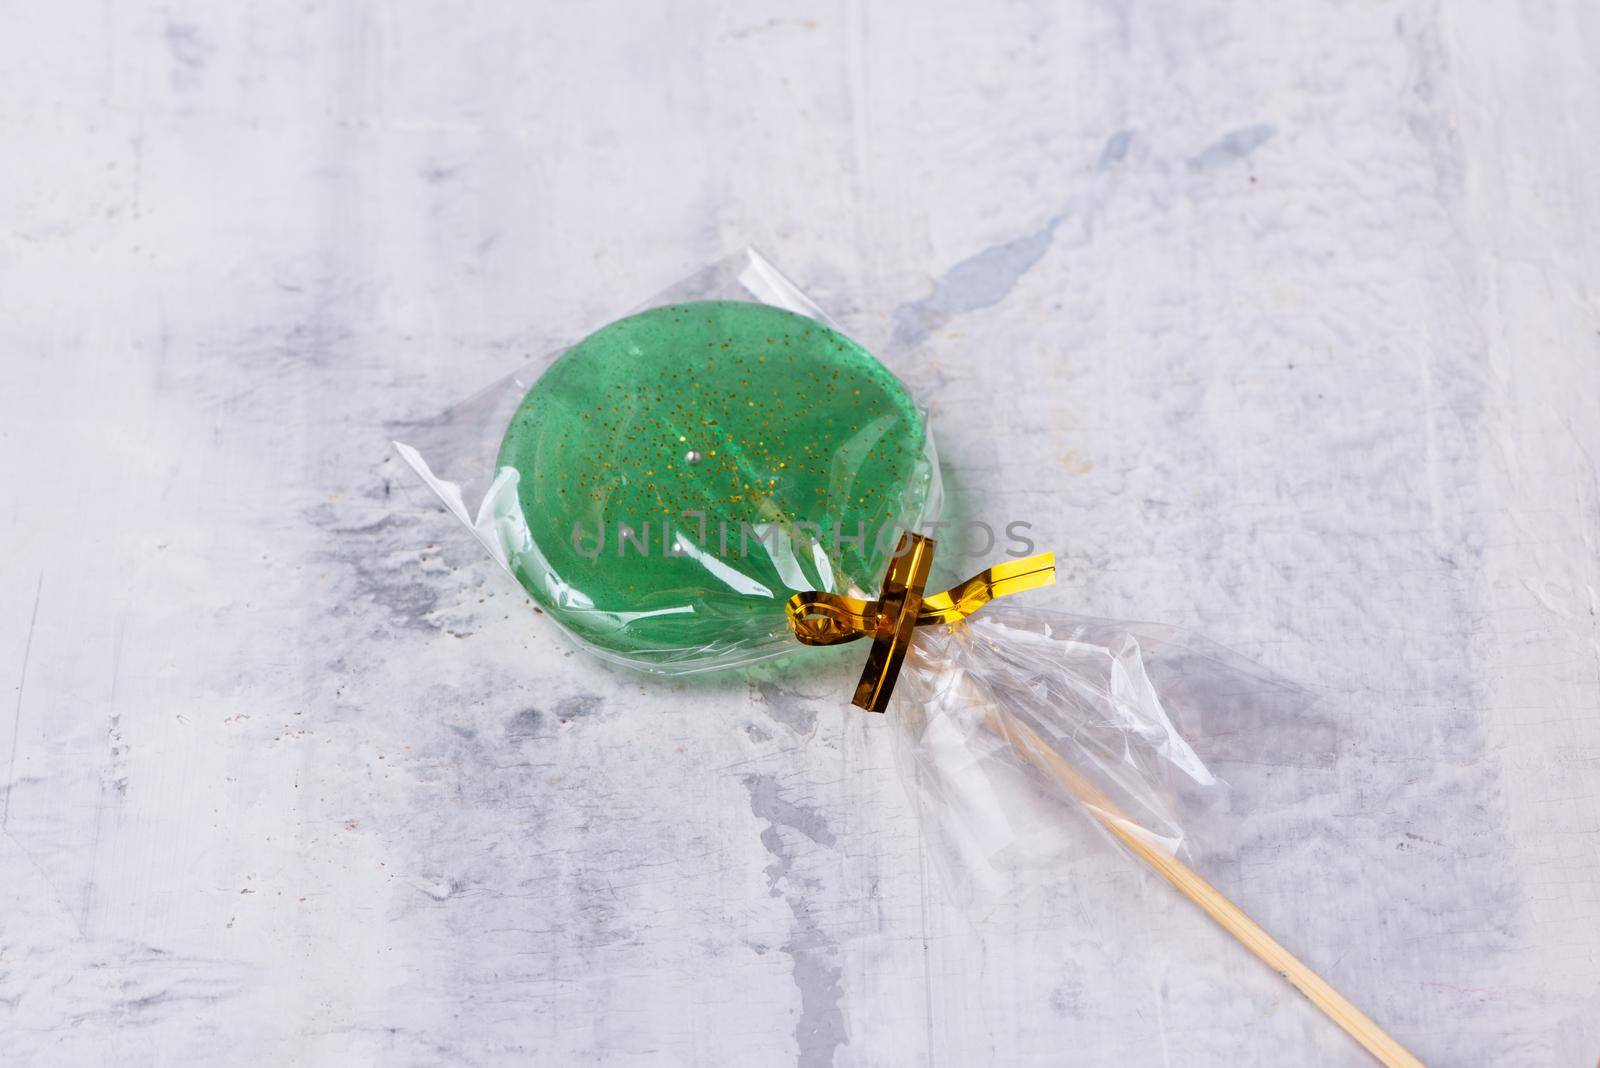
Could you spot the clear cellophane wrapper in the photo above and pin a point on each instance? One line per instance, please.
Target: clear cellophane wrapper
(1024, 736)
(1116, 701)
(1136, 715)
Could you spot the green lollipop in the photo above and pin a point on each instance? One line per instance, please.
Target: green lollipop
(677, 480)
(682, 472)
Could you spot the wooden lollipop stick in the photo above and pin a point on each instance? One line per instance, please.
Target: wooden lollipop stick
(1232, 918)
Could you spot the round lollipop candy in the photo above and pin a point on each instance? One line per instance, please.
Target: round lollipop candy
(684, 471)
(701, 484)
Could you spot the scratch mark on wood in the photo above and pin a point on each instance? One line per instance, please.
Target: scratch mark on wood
(16, 720)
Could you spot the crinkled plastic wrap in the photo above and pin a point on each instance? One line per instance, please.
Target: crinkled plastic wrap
(662, 487)
(1118, 702)
(665, 486)
(974, 699)
(1081, 686)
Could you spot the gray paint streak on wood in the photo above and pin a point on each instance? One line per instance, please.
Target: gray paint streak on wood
(820, 1029)
(1235, 144)
(982, 280)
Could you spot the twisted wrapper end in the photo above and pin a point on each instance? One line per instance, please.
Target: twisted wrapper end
(818, 618)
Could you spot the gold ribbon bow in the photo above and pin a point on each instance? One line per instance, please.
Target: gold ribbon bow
(818, 618)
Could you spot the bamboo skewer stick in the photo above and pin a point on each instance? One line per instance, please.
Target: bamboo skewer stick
(1230, 917)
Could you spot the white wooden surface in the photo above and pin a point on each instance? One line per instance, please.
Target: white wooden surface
(1303, 299)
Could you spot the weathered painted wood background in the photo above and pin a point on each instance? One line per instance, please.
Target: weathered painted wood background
(1279, 322)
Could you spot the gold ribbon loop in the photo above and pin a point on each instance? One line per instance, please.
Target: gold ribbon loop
(819, 618)
(965, 598)
(830, 618)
